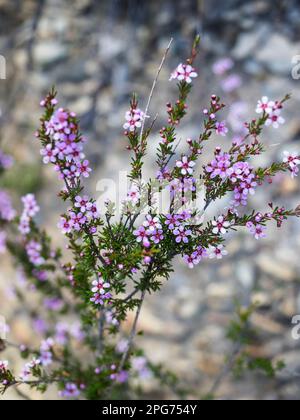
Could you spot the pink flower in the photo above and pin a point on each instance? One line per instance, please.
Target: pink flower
(220, 166)
(293, 161)
(3, 365)
(221, 66)
(65, 225)
(184, 72)
(133, 195)
(221, 128)
(220, 225)
(47, 345)
(240, 171)
(264, 105)
(83, 169)
(248, 186)
(46, 358)
(157, 236)
(192, 260)
(6, 210)
(142, 236)
(92, 211)
(101, 295)
(49, 154)
(152, 223)
(6, 161)
(257, 230)
(275, 119)
(172, 221)
(34, 250)
(185, 165)
(70, 391)
(30, 205)
(78, 220)
(134, 119)
(182, 235)
(217, 252)
(81, 203)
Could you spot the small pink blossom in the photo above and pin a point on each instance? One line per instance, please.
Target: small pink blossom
(152, 223)
(185, 165)
(83, 169)
(275, 119)
(49, 154)
(221, 128)
(184, 72)
(65, 225)
(142, 236)
(293, 160)
(133, 195)
(81, 203)
(182, 235)
(220, 225)
(70, 391)
(217, 252)
(31, 207)
(257, 230)
(157, 236)
(264, 105)
(3, 365)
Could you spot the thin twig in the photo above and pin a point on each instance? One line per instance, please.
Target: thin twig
(227, 369)
(154, 85)
(101, 330)
(133, 331)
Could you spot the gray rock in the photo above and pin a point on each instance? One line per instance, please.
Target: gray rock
(49, 52)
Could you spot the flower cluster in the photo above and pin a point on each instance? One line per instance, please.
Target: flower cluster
(63, 144)
(46, 352)
(134, 119)
(82, 216)
(240, 174)
(34, 250)
(29, 368)
(196, 257)
(7, 213)
(100, 292)
(30, 210)
(272, 110)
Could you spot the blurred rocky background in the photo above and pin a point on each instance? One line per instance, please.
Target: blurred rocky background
(97, 53)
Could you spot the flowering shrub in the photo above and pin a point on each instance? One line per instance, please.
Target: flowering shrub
(116, 263)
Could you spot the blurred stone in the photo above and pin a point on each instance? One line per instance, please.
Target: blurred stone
(266, 324)
(48, 53)
(274, 268)
(277, 54)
